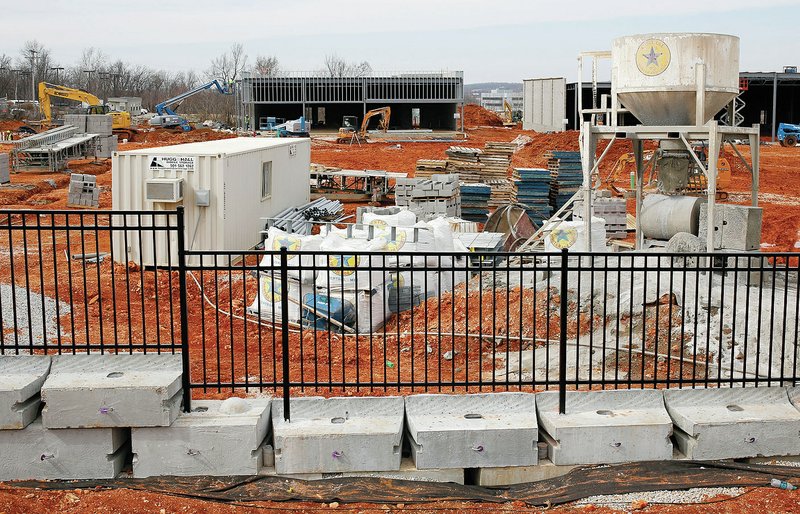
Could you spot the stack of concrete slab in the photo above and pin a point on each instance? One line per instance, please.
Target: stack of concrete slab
(216, 438)
(331, 435)
(473, 430)
(5, 168)
(431, 198)
(605, 427)
(83, 191)
(734, 422)
(21, 379)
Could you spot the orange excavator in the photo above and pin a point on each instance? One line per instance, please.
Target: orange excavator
(348, 133)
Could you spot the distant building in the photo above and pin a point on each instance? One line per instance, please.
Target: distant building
(493, 100)
(131, 104)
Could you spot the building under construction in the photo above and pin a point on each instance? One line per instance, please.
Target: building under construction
(425, 100)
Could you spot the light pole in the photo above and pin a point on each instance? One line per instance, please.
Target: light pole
(57, 69)
(33, 76)
(16, 82)
(88, 78)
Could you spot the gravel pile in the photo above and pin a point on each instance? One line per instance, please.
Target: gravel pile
(697, 495)
(40, 325)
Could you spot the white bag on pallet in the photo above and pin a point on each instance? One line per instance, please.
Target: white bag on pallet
(276, 239)
(345, 263)
(267, 304)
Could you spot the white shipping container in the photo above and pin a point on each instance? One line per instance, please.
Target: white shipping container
(226, 187)
(544, 104)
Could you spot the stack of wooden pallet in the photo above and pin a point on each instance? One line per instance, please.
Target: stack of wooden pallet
(497, 160)
(466, 162)
(427, 167)
(502, 192)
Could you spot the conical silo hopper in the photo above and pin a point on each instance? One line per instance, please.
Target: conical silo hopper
(655, 75)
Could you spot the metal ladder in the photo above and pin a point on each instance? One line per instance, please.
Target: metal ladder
(536, 241)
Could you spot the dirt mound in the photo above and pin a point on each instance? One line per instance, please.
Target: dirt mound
(476, 116)
(163, 137)
(12, 125)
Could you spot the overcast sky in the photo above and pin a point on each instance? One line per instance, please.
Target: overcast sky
(490, 40)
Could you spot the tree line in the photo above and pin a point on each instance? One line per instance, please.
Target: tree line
(105, 77)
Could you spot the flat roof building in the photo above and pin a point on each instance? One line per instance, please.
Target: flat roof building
(433, 99)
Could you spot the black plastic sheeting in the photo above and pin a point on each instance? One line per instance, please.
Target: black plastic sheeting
(579, 483)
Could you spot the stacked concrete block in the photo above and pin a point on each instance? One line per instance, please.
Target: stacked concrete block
(473, 430)
(76, 120)
(734, 423)
(36, 452)
(21, 379)
(100, 124)
(612, 210)
(605, 427)
(106, 146)
(431, 198)
(216, 438)
(332, 435)
(83, 191)
(110, 391)
(5, 168)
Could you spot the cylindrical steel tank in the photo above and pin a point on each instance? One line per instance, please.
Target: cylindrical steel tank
(663, 216)
(655, 75)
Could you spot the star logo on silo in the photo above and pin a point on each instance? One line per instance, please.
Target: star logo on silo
(653, 57)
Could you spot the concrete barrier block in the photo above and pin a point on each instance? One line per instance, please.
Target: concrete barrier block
(329, 435)
(498, 477)
(472, 430)
(212, 439)
(21, 379)
(407, 471)
(734, 423)
(91, 391)
(38, 453)
(605, 427)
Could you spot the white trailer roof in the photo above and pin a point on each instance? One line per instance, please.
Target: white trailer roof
(230, 146)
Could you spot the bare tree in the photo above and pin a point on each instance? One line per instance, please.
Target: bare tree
(335, 66)
(229, 65)
(266, 66)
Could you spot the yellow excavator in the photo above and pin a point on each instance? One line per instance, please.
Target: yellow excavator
(508, 115)
(348, 132)
(120, 120)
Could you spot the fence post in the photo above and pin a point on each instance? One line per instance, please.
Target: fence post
(184, 308)
(285, 330)
(562, 338)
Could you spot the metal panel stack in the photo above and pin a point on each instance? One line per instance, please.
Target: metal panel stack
(613, 210)
(566, 174)
(475, 202)
(427, 167)
(83, 191)
(532, 189)
(465, 162)
(437, 197)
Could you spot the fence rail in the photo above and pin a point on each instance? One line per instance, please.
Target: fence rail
(295, 323)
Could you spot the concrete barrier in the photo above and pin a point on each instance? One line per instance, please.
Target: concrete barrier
(21, 379)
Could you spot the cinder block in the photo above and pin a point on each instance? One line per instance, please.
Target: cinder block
(206, 441)
(21, 379)
(328, 435)
(112, 391)
(605, 427)
(734, 423)
(472, 430)
(497, 477)
(38, 453)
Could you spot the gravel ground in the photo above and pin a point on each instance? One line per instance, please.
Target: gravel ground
(697, 495)
(40, 323)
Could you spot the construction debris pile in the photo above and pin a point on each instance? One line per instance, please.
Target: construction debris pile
(436, 197)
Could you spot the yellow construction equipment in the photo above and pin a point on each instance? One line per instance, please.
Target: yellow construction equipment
(508, 115)
(120, 121)
(348, 133)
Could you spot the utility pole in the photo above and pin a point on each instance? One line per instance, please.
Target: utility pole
(89, 79)
(16, 82)
(33, 74)
(57, 69)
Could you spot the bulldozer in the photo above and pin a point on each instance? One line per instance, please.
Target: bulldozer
(348, 132)
(120, 121)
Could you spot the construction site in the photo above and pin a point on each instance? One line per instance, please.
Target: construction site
(303, 291)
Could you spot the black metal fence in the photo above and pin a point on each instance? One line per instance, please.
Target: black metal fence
(295, 322)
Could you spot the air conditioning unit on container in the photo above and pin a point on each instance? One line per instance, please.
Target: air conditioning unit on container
(167, 190)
